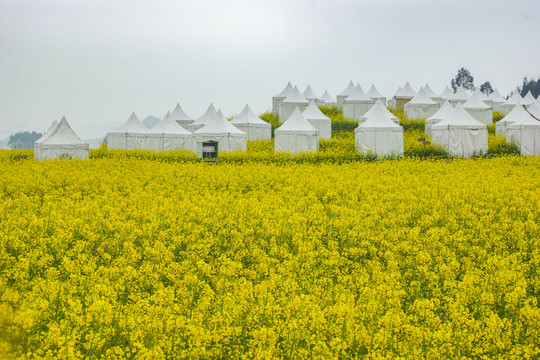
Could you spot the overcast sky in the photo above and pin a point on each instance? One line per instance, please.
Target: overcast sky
(96, 61)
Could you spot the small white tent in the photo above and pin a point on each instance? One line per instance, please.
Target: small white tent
(515, 115)
(168, 135)
(130, 135)
(310, 96)
(277, 99)
(203, 120)
(441, 114)
(380, 135)
(291, 102)
(460, 97)
(404, 95)
(511, 102)
(446, 94)
(374, 94)
(528, 99)
(37, 144)
(346, 92)
(219, 129)
(296, 135)
(432, 95)
(478, 108)
(378, 106)
(255, 127)
(327, 99)
(180, 116)
(496, 100)
(318, 120)
(461, 134)
(357, 104)
(62, 143)
(526, 133)
(421, 106)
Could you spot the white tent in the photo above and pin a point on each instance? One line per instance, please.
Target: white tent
(219, 129)
(346, 92)
(378, 106)
(478, 108)
(496, 100)
(446, 94)
(296, 135)
(180, 116)
(432, 95)
(516, 114)
(537, 102)
(460, 97)
(357, 104)
(203, 120)
(327, 99)
(255, 127)
(291, 102)
(511, 102)
(421, 106)
(441, 114)
(310, 96)
(318, 120)
(169, 135)
(528, 99)
(130, 135)
(526, 133)
(37, 144)
(375, 94)
(62, 143)
(534, 110)
(380, 135)
(461, 134)
(277, 99)
(404, 95)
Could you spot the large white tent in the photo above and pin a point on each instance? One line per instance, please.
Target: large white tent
(346, 92)
(296, 135)
(37, 144)
(255, 127)
(375, 94)
(277, 99)
(441, 114)
(478, 108)
(528, 99)
(62, 143)
(130, 135)
(327, 99)
(168, 135)
(460, 96)
(461, 134)
(180, 116)
(525, 132)
(310, 96)
(291, 102)
(318, 120)
(511, 102)
(496, 100)
(219, 129)
(516, 114)
(357, 104)
(379, 135)
(421, 106)
(432, 95)
(404, 95)
(378, 106)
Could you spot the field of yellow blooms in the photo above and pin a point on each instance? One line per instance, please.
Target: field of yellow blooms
(123, 257)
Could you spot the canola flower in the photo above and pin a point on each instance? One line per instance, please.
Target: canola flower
(124, 257)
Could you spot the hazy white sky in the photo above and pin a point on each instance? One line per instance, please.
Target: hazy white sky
(96, 61)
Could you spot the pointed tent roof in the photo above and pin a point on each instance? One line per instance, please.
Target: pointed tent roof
(517, 112)
(51, 128)
(496, 97)
(398, 90)
(218, 124)
(447, 93)
(309, 94)
(379, 120)
(406, 92)
(296, 123)
(133, 125)
(514, 99)
(528, 99)
(459, 117)
(524, 120)
(207, 116)
(283, 94)
(443, 112)
(460, 95)
(63, 134)
(312, 112)
(327, 98)
(430, 92)
(374, 93)
(348, 90)
(178, 114)
(169, 126)
(379, 106)
(358, 95)
(247, 116)
(295, 97)
(476, 102)
(534, 110)
(421, 99)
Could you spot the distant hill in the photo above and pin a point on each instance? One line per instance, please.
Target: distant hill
(151, 121)
(95, 143)
(4, 145)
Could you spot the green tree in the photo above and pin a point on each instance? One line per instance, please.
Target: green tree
(463, 78)
(23, 140)
(486, 88)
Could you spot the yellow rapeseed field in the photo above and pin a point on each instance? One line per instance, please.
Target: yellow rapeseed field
(118, 257)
